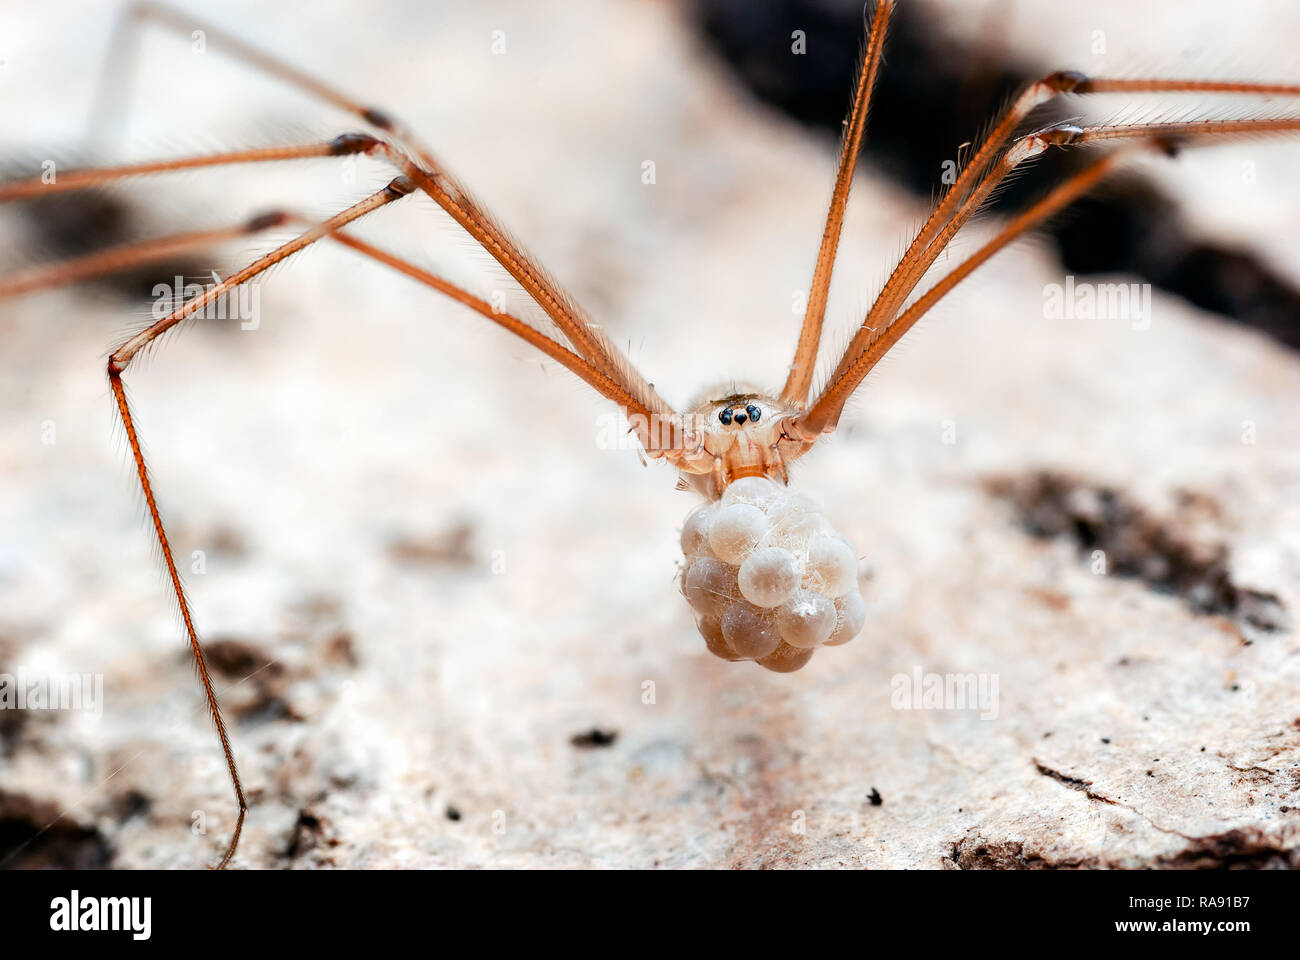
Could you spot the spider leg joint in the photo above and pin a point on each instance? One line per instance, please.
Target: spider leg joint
(346, 144)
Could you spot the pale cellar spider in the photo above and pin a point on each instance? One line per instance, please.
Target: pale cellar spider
(767, 577)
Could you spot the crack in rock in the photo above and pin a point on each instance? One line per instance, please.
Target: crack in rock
(1074, 783)
(1136, 544)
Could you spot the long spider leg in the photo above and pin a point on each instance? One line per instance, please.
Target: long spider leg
(119, 360)
(1085, 84)
(908, 272)
(629, 390)
(111, 94)
(825, 412)
(127, 256)
(417, 162)
(1024, 149)
(117, 364)
(795, 391)
(1174, 133)
(178, 589)
(1165, 133)
(587, 338)
(659, 436)
(123, 356)
(348, 143)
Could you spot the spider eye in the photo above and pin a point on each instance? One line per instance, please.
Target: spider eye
(754, 413)
(725, 416)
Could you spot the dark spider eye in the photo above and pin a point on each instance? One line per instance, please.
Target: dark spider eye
(740, 418)
(725, 416)
(754, 412)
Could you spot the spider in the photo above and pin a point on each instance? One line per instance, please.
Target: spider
(765, 574)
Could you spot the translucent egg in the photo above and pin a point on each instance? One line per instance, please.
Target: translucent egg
(695, 532)
(709, 585)
(736, 531)
(756, 491)
(796, 530)
(748, 632)
(806, 620)
(769, 577)
(793, 503)
(852, 610)
(786, 659)
(832, 566)
(711, 631)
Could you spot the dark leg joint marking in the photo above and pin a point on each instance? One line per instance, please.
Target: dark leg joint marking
(400, 186)
(377, 118)
(1069, 81)
(1061, 135)
(265, 221)
(1169, 145)
(348, 143)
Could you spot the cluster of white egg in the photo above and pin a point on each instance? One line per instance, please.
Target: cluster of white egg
(768, 577)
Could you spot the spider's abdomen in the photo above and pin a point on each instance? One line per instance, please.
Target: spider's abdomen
(768, 577)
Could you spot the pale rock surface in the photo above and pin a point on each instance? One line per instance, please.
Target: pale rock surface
(414, 522)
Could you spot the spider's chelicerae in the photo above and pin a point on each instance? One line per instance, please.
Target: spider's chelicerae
(766, 575)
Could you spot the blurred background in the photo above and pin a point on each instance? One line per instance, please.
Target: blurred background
(445, 618)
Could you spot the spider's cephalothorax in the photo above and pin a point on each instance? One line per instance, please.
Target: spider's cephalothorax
(743, 433)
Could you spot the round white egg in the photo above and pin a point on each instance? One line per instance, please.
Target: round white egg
(786, 659)
(832, 566)
(710, 585)
(852, 610)
(695, 531)
(748, 632)
(806, 620)
(756, 491)
(736, 532)
(769, 577)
